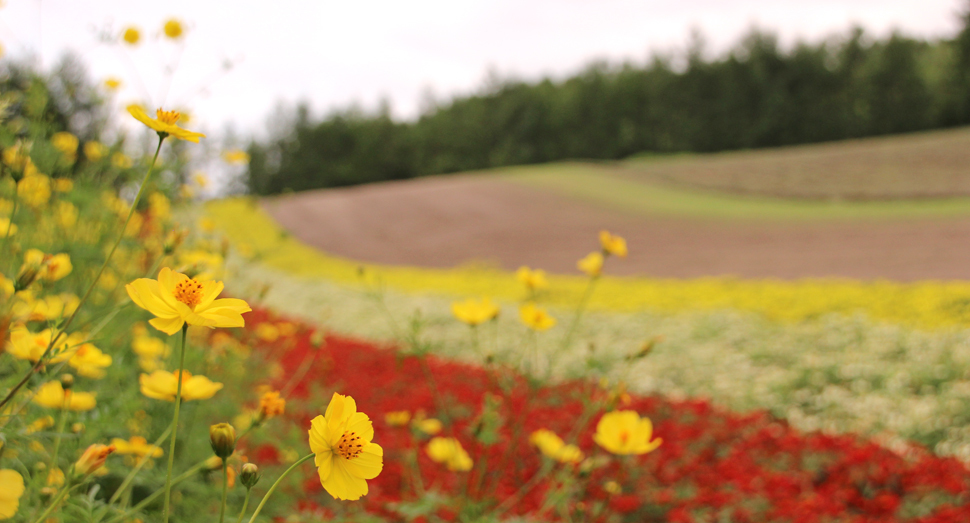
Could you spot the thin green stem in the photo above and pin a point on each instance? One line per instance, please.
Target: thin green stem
(175, 425)
(54, 339)
(277, 483)
(579, 311)
(245, 505)
(225, 490)
(61, 423)
(57, 501)
(13, 212)
(143, 503)
(141, 463)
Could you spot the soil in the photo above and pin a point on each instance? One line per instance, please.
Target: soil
(449, 221)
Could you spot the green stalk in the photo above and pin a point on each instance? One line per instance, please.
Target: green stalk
(185, 475)
(175, 424)
(13, 212)
(245, 504)
(225, 490)
(579, 311)
(278, 480)
(61, 422)
(94, 283)
(134, 471)
(57, 501)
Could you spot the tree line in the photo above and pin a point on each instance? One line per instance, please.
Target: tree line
(758, 94)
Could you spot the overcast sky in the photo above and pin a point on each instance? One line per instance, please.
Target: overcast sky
(333, 53)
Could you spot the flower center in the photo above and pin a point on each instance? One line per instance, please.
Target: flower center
(189, 292)
(167, 117)
(624, 437)
(350, 445)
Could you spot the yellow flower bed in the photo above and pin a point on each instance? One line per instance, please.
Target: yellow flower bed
(927, 305)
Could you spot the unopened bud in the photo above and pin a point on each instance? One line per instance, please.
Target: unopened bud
(249, 475)
(28, 273)
(222, 436)
(67, 381)
(93, 458)
(77, 428)
(173, 240)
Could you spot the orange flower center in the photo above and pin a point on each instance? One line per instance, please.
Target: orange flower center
(624, 437)
(185, 376)
(167, 117)
(189, 292)
(350, 445)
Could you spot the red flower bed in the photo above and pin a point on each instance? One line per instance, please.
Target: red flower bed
(713, 465)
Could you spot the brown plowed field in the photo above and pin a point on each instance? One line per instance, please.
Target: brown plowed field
(448, 221)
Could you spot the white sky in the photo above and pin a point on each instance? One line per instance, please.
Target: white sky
(333, 53)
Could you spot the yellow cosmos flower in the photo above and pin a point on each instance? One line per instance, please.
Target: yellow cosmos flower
(164, 123)
(89, 361)
(150, 347)
(11, 488)
(121, 160)
(271, 405)
(625, 432)
(450, 452)
(475, 312)
(131, 36)
(34, 190)
(66, 143)
(345, 455)
(53, 396)
(66, 214)
(397, 418)
(201, 180)
(429, 426)
(50, 267)
(592, 264)
(7, 228)
(137, 446)
(613, 244)
(236, 157)
(55, 478)
(63, 185)
(40, 424)
(160, 206)
(267, 332)
(173, 28)
(533, 279)
(163, 385)
(44, 309)
(553, 447)
(95, 151)
(535, 317)
(26, 345)
(176, 299)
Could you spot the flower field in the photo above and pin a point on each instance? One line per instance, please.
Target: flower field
(711, 465)
(133, 318)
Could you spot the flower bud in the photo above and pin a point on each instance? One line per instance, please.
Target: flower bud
(173, 240)
(93, 458)
(26, 276)
(249, 475)
(67, 381)
(222, 436)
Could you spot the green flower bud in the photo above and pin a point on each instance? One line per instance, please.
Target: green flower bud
(249, 475)
(222, 436)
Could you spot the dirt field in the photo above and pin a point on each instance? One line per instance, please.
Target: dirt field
(447, 221)
(921, 165)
